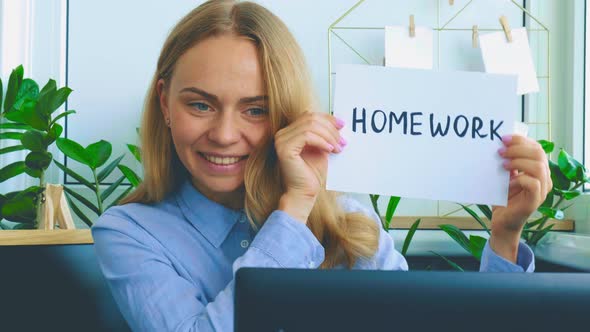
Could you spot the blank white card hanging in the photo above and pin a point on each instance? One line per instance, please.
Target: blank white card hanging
(503, 57)
(403, 51)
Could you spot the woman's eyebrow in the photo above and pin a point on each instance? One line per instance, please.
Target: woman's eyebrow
(203, 93)
(210, 96)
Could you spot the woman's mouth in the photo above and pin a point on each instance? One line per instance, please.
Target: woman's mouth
(222, 160)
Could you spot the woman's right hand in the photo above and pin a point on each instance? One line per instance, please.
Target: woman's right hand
(303, 148)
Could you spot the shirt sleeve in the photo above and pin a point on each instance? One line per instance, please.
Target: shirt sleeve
(152, 296)
(492, 262)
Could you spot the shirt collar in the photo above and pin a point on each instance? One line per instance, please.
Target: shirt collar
(213, 220)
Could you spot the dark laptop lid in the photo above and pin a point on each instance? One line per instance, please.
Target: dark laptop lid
(360, 300)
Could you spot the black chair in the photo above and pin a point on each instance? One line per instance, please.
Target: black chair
(55, 288)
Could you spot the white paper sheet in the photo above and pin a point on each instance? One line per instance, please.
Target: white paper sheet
(403, 51)
(502, 57)
(461, 169)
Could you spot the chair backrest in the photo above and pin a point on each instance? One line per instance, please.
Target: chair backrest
(55, 288)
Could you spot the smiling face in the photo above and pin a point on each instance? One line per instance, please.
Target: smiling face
(216, 105)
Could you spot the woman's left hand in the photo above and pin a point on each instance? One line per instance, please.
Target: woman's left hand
(530, 182)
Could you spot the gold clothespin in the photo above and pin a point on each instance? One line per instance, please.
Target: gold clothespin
(475, 37)
(506, 27)
(412, 27)
(451, 2)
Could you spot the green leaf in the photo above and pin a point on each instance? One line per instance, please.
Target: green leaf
(567, 194)
(120, 197)
(567, 167)
(58, 98)
(410, 235)
(105, 172)
(12, 149)
(477, 243)
(79, 213)
(82, 199)
(27, 225)
(547, 146)
(28, 89)
(98, 153)
(560, 181)
(105, 194)
(476, 217)
(485, 210)
(11, 135)
(53, 134)
(12, 170)
(34, 172)
(75, 175)
(450, 262)
(391, 207)
(74, 150)
(64, 114)
(45, 97)
(28, 114)
(16, 77)
(551, 213)
(33, 140)
(457, 235)
(20, 209)
(549, 199)
(38, 160)
(535, 223)
(135, 151)
(17, 126)
(133, 178)
(540, 234)
(374, 200)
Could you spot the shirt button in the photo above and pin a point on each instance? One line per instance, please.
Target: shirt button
(311, 264)
(242, 220)
(244, 243)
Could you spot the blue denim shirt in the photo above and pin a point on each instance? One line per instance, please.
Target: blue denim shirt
(170, 266)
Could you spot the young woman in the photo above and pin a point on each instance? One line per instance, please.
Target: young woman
(235, 158)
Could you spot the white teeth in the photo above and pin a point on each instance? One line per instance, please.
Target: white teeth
(222, 161)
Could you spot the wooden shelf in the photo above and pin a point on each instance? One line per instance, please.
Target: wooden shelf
(466, 223)
(45, 237)
(83, 236)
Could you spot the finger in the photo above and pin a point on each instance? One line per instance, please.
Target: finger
(529, 184)
(533, 168)
(515, 139)
(319, 125)
(293, 146)
(523, 151)
(513, 174)
(528, 148)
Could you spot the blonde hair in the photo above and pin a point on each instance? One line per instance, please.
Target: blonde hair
(345, 236)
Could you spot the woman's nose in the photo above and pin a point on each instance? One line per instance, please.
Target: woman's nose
(225, 129)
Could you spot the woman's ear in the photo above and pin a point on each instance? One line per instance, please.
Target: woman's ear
(163, 98)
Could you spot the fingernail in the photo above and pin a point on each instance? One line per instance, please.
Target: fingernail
(331, 147)
(507, 139)
(506, 164)
(502, 151)
(339, 123)
(342, 142)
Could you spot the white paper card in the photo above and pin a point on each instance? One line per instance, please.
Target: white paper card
(395, 121)
(502, 57)
(403, 51)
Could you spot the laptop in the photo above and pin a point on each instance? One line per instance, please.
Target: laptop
(360, 300)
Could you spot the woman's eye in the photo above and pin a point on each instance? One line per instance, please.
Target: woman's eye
(200, 106)
(256, 111)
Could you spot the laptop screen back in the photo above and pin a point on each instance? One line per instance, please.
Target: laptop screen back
(340, 300)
